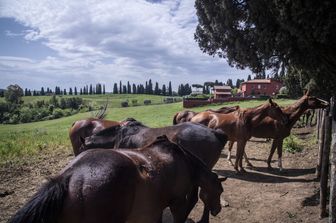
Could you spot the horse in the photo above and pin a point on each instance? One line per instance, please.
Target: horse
(186, 115)
(238, 125)
(278, 131)
(205, 143)
(124, 185)
(86, 127)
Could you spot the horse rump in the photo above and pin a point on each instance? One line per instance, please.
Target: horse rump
(46, 205)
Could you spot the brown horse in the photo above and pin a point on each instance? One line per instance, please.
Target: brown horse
(271, 128)
(127, 185)
(87, 127)
(186, 115)
(205, 143)
(238, 125)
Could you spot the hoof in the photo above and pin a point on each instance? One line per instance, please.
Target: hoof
(242, 170)
(249, 165)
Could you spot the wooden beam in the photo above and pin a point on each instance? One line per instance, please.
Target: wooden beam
(332, 199)
(321, 132)
(325, 165)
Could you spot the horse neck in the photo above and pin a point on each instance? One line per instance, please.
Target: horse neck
(255, 115)
(295, 111)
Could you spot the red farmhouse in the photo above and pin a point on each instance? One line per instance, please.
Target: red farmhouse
(258, 87)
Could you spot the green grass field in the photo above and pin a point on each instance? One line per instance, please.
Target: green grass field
(28, 139)
(114, 100)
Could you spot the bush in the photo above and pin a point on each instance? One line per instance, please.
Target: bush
(57, 113)
(176, 99)
(124, 104)
(279, 96)
(168, 100)
(134, 102)
(264, 97)
(292, 144)
(147, 102)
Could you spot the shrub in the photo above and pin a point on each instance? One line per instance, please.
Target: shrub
(58, 113)
(124, 104)
(147, 102)
(168, 100)
(292, 144)
(279, 96)
(134, 102)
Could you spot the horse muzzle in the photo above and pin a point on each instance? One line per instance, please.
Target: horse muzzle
(215, 212)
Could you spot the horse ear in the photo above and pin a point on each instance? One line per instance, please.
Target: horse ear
(307, 92)
(222, 179)
(270, 101)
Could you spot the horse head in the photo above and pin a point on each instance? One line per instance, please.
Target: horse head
(274, 111)
(103, 139)
(314, 103)
(211, 190)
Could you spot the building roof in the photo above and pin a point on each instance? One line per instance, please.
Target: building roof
(224, 87)
(260, 81)
(228, 93)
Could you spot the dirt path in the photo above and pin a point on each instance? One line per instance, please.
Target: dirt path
(258, 196)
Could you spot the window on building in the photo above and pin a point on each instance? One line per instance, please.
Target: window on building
(259, 86)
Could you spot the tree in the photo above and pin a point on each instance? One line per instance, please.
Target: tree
(64, 92)
(156, 89)
(115, 88)
(104, 89)
(229, 83)
(75, 90)
(120, 87)
(272, 34)
(129, 89)
(13, 94)
(134, 89)
(90, 91)
(170, 91)
(42, 91)
(70, 91)
(249, 77)
(164, 90)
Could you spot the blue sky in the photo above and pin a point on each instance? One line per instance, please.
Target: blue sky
(71, 43)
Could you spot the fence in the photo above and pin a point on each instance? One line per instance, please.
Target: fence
(195, 102)
(326, 164)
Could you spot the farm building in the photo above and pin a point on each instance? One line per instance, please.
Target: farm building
(222, 92)
(257, 87)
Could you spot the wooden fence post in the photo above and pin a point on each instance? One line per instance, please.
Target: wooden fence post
(321, 131)
(332, 200)
(325, 165)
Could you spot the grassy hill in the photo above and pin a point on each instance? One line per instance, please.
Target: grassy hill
(114, 100)
(26, 139)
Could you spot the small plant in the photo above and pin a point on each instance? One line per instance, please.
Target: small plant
(134, 102)
(292, 144)
(147, 102)
(124, 104)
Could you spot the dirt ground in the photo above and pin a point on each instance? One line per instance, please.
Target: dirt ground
(257, 196)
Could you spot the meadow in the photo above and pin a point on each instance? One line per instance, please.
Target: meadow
(20, 140)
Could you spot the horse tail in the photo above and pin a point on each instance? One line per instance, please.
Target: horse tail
(46, 205)
(175, 118)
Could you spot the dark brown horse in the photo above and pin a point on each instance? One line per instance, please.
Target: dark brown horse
(205, 143)
(271, 128)
(127, 185)
(186, 115)
(239, 125)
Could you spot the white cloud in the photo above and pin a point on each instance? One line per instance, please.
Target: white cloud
(112, 40)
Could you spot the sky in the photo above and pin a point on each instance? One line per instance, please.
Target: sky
(71, 43)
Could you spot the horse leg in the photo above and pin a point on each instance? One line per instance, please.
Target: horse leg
(179, 210)
(239, 155)
(205, 215)
(274, 145)
(229, 152)
(247, 161)
(280, 154)
(192, 199)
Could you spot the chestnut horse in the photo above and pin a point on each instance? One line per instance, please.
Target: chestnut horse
(271, 128)
(127, 185)
(186, 115)
(205, 143)
(238, 125)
